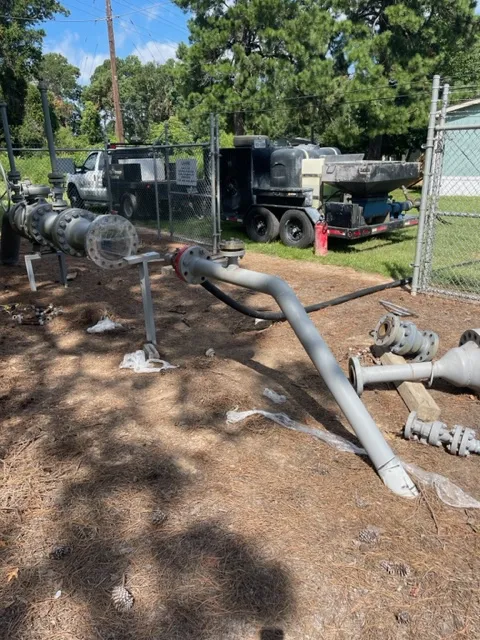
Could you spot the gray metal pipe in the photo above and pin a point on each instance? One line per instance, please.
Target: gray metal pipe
(459, 366)
(8, 140)
(56, 177)
(48, 125)
(426, 180)
(193, 265)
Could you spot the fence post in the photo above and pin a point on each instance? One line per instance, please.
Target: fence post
(213, 183)
(157, 204)
(434, 191)
(109, 178)
(217, 193)
(169, 197)
(426, 179)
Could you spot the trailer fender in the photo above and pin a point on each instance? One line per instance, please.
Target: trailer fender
(314, 214)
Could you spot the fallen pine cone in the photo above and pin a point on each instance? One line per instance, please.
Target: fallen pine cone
(60, 552)
(370, 535)
(122, 599)
(396, 569)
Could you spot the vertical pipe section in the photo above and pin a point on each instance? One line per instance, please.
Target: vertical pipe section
(426, 179)
(9, 241)
(8, 140)
(386, 463)
(48, 126)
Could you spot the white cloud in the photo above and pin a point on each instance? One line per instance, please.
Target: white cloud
(153, 51)
(69, 47)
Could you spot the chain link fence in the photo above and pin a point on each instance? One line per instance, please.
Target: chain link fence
(170, 188)
(450, 263)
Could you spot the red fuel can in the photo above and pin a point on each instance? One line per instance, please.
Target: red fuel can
(321, 239)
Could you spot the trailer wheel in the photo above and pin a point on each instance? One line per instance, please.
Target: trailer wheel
(128, 205)
(261, 225)
(296, 229)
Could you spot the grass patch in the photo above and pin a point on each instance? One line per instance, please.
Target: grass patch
(390, 254)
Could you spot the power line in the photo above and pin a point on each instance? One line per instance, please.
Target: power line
(99, 19)
(275, 109)
(128, 27)
(159, 19)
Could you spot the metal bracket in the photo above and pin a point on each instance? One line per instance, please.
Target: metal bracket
(142, 260)
(62, 265)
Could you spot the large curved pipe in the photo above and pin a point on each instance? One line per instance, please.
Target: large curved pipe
(193, 265)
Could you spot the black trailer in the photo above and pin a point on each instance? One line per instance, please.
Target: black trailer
(278, 191)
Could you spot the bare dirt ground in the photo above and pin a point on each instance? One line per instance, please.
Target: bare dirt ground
(261, 536)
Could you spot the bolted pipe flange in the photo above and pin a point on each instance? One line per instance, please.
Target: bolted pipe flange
(356, 375)
(183, 262)
(403, 338)
(408, 432)
(37, 213)
(470, 335)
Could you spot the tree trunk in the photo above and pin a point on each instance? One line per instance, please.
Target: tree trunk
(375, 148)
(239, 123)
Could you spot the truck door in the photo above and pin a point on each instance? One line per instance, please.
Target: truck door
(88, 179)
(99, 193)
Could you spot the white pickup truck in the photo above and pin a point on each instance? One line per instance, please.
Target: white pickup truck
(89, 182)
(133, 180)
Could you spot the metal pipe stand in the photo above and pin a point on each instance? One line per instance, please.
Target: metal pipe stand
(143, 260)
(62, 266)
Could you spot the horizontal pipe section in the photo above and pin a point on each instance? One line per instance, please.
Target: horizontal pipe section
(397, 373)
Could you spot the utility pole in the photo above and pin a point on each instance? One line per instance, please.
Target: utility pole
(113, 65)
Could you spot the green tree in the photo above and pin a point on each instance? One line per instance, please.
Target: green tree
(31, 132)
(60, 76)
(147, 94)
(392, 50)
(368, 63)
(90, 126)
(248, 56)
(20, 48)
(178, 132)
(62, 80)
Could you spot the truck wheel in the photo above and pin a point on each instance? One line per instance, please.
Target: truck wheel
(261, 225)
(75, 200)
(296, 229)
(128, 205)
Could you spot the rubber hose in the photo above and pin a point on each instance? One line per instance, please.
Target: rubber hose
(278, 316)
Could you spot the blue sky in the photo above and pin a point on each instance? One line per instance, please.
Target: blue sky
(151, 30)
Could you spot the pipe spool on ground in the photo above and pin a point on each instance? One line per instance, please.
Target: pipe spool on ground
(403, 338)
(460, 367)
(460, 441)
(193, 264)
(105, 239)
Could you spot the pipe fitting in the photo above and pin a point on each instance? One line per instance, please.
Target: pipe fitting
(105, 239)
(460, 366)
(183, 261)
(403, 338)
(459, 441)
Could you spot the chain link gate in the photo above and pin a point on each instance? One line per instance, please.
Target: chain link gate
(450, 261)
